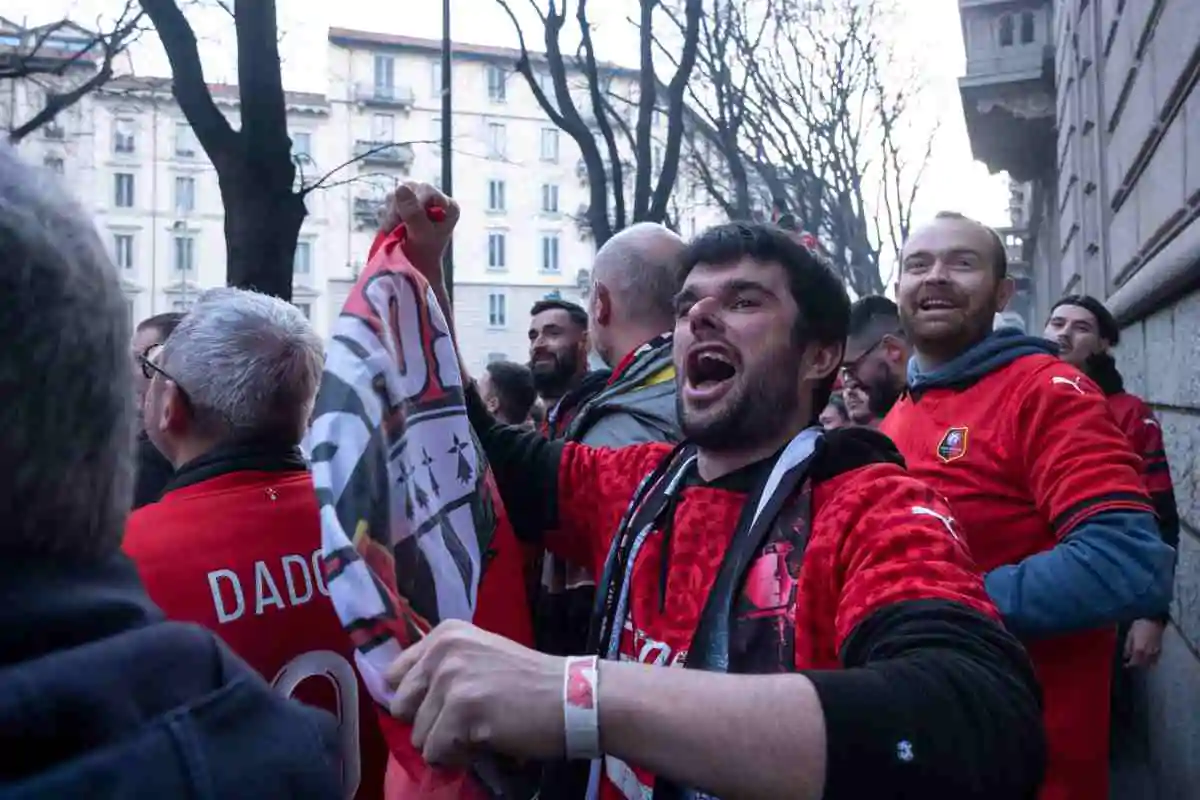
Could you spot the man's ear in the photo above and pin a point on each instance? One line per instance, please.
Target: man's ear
(1004, 293)
(492, 404)
(824, 361)
(894, 350)
(603, 304)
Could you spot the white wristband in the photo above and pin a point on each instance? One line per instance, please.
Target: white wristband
(581, 711)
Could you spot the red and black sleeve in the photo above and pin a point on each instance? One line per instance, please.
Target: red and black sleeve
(1076, 459)
(567, 496)
(936, 698)
(1145, 432)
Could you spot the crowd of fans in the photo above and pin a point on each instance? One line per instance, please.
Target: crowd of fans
(832, 517)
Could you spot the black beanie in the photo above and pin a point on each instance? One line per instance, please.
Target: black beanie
(1109, 331)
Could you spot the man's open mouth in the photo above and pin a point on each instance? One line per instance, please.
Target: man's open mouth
(708, 369)
(936, 304)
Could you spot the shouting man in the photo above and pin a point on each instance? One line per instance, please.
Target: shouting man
(830, 635)
(1046, 486)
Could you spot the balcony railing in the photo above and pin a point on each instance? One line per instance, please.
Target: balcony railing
(366, 212)
(381, 94)
(387, 154)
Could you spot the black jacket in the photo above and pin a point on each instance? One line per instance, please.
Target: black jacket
(100, 697)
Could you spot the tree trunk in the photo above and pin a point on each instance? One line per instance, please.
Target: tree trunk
(262, 224)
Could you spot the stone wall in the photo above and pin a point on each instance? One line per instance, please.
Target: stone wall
(1121, 221)
(1160, 359)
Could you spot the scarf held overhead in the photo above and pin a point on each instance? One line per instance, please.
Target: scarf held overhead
(410, 514)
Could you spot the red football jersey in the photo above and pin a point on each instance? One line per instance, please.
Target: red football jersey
(1024, 456)
(877, 537)
(240, 554)
(1145, 434)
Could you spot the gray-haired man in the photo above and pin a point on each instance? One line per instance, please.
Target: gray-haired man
(234, 543)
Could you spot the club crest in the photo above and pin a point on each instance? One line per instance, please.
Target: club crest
(953, 445)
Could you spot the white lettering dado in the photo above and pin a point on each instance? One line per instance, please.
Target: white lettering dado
(291, 581)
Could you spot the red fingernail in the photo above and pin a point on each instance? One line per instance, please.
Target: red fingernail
(436, 214)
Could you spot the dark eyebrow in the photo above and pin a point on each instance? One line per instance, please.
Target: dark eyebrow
(683, 296)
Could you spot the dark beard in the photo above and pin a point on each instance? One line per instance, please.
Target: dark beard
(752, 412)
(882, 394)
(554, 381)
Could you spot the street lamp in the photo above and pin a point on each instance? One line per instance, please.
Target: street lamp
(447, 131)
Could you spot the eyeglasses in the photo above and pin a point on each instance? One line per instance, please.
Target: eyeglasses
(149, 368)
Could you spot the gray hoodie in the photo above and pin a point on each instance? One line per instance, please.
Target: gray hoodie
(637, 407)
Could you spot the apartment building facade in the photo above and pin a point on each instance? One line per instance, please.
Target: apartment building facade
(1091, 107)
(130, 157)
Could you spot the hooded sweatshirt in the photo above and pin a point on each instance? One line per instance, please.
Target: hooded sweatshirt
(1052, 504)
(637, 405)
(100, 697)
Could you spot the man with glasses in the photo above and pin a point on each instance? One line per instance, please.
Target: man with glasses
(875, 359)
(234, 543)
(153, 470)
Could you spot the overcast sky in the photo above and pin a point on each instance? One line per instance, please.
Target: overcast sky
(928, 30)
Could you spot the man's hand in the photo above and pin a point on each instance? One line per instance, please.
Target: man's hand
(426, 240)
(1143, 643)
(464, 689)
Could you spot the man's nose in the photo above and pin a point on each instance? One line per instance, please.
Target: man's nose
(939, 271)
(703, 314)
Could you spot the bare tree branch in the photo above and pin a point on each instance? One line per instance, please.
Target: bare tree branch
(47, 66)
(324, 182)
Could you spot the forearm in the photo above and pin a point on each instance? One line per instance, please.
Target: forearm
(734, 736)
(1113, 568)
(935, 700)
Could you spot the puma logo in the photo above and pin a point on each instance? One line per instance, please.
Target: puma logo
(922, 511)
(1072, 382)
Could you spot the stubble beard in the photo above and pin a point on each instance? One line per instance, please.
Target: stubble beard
(752, 413)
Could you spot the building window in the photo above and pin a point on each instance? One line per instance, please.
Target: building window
(123, 190)
(1027, 27)
(497, 140)
(385, 74)
(305, 309)
(496, 247)
(1006, 30)
(383, 128)
(302, 145)
(497, 310)
(496, 83)
(496, 195)
(185, 140)
(550, 144)
(185, 254)
(302, 260)
(550, 252)
(492, 358)
(123, 250)
(545, 82)
(123, 140)
(185, 194)
(182, 306)
(52, 130)
(435, 80)
(549, 198)
(54, 164)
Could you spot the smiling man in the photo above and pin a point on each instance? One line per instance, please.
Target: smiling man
(558, 359)
(1046, 486)
(830, 635)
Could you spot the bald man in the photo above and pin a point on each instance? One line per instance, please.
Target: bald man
(630, 321)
